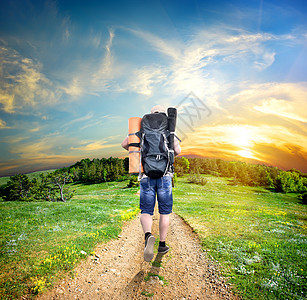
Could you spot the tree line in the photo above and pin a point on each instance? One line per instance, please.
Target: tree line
(273, 178)
(53, 186)
(50, 187)
(99, 170)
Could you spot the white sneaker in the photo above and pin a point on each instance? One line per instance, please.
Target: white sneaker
(149, 248)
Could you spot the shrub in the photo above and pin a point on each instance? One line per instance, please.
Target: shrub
(290, 182)
(133, 182)
(198, 179)
(175, 179)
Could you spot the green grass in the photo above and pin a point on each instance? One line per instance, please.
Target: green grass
(258, 237)
(147, 294)
(4, 180)
(40, 241)
(150, 274)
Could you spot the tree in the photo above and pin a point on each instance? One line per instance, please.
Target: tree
(126, 164)
(181, 165)
(18, 188)
(99, 170)
(195, 165)
(59, 179)
(46, 190)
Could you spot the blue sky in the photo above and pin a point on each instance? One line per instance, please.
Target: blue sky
(73, 72)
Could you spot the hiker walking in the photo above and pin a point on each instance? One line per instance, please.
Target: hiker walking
(158, 148)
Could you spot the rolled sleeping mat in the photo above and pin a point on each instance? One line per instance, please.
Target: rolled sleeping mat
(134, 125)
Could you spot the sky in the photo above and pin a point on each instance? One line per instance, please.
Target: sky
(73, 72)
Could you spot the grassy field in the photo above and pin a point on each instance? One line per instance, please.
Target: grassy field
(39, 241)
(4, 180)
(258, 237)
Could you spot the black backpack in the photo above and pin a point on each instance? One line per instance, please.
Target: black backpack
(155, 153)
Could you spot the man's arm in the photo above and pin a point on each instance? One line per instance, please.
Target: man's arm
(125, 143)
(177, 148)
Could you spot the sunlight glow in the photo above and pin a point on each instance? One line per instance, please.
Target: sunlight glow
(241, 136)
(245, 153)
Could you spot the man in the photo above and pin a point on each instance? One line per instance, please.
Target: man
(149, 189)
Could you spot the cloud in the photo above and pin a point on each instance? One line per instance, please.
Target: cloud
(268, 154)
(26, 165)
(7, 101)
(209, 59)
(105, 67)
(284, 100)
(74, 88)
(94, 146)
(146, 79)
(288, 157)
(31, 150)
(280, 108)
(54, 151)
(22, 84)
(94, 77)
(170, 48)
(231, 141)
(88, 120)
(3, 124)
(176, 67)
(35, 129)
(14, 139)
(201, 68)
(255, 122)
(56, 144)
(98, 122)
(198, 64)
(53, 144)
(87, 117)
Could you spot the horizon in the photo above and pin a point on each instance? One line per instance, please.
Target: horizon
(71, 74)
(187, 156)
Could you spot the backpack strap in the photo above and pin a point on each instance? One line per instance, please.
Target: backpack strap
(134, 145)
(169, 165)
(138, 145)
(141, 136)
(173, 132)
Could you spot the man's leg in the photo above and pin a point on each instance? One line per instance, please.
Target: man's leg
(165, 199)
(163, 227)
(146, 221)
(147, 205)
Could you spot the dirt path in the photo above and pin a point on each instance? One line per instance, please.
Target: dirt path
(184, 272)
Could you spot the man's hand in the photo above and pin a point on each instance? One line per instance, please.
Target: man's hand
(125, 143)
(177, 148)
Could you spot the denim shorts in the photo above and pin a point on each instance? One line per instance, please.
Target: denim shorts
(162, 187)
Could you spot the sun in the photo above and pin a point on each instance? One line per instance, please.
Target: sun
(242, 137)
(245, 153)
